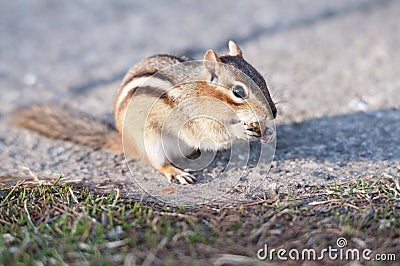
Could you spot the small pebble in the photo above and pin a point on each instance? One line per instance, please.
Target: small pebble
(358, 104)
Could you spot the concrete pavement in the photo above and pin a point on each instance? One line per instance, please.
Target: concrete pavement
(335, 63)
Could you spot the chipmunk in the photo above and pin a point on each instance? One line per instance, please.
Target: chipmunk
(166, 106)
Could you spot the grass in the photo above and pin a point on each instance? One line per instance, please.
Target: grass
(56, 223)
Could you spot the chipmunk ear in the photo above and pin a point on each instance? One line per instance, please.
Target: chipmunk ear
(212, 63)
(234, 49)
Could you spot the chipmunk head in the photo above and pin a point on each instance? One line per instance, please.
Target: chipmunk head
(241, 86)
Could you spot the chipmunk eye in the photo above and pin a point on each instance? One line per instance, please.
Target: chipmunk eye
(239, 91)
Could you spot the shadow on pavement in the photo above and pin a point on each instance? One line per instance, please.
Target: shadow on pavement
(370, 136)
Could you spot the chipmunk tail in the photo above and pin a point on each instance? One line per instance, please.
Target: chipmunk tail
(65, 123)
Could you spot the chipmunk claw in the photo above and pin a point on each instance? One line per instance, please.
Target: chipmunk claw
(185, 178)
(175, 175)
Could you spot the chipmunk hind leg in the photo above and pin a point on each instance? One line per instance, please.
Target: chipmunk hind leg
(156, 155)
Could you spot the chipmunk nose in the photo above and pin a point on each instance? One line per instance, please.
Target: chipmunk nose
(267, 130)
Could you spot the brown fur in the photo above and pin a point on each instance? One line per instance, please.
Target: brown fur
(150, 91)
(146, 67)
(61, 122)
(210, 91)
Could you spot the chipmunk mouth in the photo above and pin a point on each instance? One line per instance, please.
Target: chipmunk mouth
(257, 130)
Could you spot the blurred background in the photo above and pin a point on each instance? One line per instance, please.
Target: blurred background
(307, 49)
(321, 58)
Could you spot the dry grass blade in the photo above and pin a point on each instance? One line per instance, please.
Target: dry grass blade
(231, 259)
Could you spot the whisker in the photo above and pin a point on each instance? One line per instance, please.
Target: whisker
(270, 70)
(285, 109)
(284, 101)
(274, 94)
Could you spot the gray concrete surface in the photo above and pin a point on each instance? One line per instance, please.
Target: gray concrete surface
(334, 62)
